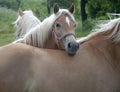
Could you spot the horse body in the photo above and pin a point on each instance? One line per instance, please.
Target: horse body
(95, 68)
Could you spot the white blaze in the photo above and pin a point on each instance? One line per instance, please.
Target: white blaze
(68, 21)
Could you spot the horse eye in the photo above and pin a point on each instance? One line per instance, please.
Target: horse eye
(58, 26)
(75, 26)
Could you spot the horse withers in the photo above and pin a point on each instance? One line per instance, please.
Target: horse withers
(55, 32)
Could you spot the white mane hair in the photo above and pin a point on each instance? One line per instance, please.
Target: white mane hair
(24, 23)
(38, 35)
(112, 25)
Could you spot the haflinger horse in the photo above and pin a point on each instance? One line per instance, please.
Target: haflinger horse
(55, 32)
(95, 68)
(25, 21)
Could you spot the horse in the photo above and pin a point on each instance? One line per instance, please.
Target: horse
(25, 21)
(94, 68)
(55, 32)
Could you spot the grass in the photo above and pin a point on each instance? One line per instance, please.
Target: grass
(7, 16)
(6, 38)
(79, 32)
(82, 33)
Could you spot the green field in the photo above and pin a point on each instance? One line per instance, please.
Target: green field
(7, 31)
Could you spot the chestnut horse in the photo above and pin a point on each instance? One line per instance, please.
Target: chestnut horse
(55, 32)
(95, 67)
(25, 21)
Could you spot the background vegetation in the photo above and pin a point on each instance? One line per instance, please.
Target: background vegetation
(87, 14)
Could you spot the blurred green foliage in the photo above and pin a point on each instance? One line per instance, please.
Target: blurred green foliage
(7, 16)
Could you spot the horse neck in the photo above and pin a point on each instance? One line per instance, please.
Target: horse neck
(50, 42)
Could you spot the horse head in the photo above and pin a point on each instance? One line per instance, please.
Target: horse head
(64, 30)
(25, 21)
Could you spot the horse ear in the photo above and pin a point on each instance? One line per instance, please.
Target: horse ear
(72, 8)
(56, 8)
(20, 12)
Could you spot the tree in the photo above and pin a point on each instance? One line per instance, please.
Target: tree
(115, 6)
(97, 8)
(9, 4)
(83, 11)
(19, 2)
(48, 6)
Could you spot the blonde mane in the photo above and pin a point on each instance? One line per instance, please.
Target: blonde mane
(38, 35)
(112, 25)
(24, 23)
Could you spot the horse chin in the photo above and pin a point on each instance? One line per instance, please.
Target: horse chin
(71, 53)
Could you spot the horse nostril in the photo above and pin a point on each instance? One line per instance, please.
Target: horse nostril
(72, 48)
(69, 45)
(73, 45)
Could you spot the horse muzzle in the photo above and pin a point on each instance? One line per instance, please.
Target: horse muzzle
(72, 47)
